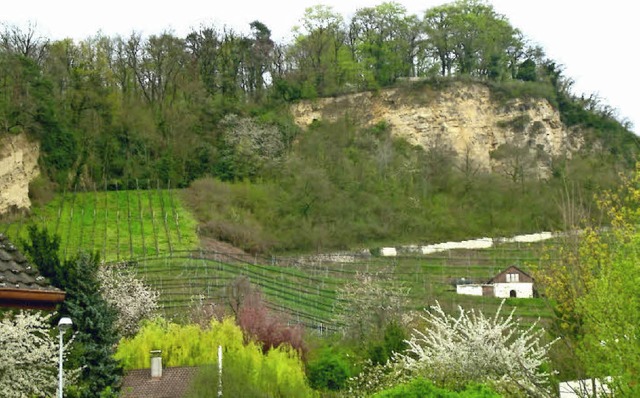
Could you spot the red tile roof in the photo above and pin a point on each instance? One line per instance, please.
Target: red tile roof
(174, 383)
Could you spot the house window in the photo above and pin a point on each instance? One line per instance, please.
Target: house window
(513, 278)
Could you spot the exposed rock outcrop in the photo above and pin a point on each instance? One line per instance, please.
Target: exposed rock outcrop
(463, 118)
(18, 167)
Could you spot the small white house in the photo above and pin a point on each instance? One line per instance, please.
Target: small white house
(512, 282)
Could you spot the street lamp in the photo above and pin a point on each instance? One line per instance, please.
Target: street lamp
(63, 324)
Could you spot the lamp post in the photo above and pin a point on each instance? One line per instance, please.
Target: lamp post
(63, 324)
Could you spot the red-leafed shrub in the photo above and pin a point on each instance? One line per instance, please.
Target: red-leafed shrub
(258, 322)
(270, 329)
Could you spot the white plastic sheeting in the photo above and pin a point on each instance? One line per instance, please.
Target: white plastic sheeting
(388, 252)
(482, 243)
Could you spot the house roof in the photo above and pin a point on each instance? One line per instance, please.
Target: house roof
(174, 383)
(21, 285)
(509, 269)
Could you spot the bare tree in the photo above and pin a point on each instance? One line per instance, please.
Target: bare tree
(26, 42)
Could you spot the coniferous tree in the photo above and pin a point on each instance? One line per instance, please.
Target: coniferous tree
(94, 320)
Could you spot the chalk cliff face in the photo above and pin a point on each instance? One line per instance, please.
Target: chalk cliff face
(18, 166)
(463, 118)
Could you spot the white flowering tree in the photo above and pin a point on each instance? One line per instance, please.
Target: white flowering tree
(29, 356)
(366, 305)
(131, 298)
(470, 347)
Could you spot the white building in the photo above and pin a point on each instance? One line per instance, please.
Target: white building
(512, 282)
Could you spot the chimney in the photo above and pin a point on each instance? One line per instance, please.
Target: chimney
(156, 364)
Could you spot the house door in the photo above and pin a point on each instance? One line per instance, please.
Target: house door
(512, 293)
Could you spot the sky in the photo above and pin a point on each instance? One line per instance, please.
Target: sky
(593, 39)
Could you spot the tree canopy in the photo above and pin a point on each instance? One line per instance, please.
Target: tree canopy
(114, 109)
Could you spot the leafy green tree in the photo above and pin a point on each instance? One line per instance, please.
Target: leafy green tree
(596, 298)
(527, 71)
(260, 60)
(17, 102)
(468, 36)
(383, 39)
(319, 51)
(440, 43)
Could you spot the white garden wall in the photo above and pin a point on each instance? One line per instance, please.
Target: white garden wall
(470, 290)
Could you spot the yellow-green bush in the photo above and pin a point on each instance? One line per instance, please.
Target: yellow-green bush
(280, 372)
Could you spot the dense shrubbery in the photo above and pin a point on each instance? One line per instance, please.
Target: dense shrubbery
(342, 186)
(329, 370)
(420, 388)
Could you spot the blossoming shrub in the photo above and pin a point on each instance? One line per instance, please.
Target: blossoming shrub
(29, 356)
(365, 306)
(456, 351)
(279, 372)
(470, 347)
(132, 299)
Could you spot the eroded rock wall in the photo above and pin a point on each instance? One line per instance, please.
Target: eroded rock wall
(18, 166)
(463, 118)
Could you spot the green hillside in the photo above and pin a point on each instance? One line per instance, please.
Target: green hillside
(117, 224)
(254, 199)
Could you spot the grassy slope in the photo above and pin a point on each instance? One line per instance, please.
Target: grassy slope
(118, 224)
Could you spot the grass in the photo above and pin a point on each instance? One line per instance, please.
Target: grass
(120, 225)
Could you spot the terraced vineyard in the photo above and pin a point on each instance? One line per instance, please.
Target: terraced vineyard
(117, 224)
(305, 288)
(153, 232)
